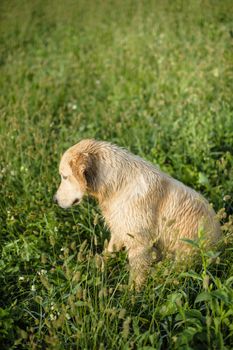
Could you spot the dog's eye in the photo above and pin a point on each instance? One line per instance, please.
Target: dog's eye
(64, 177)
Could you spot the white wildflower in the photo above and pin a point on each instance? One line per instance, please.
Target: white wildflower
(33, 288)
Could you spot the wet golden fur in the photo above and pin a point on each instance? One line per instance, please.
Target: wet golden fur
(146, 210)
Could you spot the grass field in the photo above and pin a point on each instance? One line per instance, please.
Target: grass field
(157, 78)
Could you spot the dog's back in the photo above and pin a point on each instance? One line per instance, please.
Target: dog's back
(184, 214)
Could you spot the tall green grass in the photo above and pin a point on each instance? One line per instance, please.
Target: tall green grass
(155, 77)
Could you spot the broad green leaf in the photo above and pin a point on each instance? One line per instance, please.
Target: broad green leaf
(204, 296)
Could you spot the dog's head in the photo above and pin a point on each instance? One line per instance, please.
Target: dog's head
(77, 176)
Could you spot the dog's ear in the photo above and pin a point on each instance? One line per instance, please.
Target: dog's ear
(83, 166)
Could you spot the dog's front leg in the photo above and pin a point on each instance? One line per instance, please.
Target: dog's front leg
(140, 259)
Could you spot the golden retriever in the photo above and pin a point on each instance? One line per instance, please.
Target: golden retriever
(146, 210)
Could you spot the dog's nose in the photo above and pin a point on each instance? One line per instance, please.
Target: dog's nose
(76, 201)
(55, 199)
